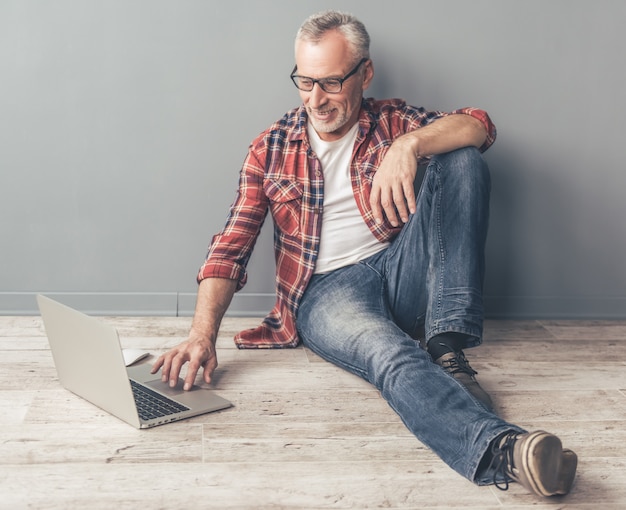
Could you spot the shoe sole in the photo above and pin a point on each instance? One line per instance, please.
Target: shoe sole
(542, 461)
(569, 462)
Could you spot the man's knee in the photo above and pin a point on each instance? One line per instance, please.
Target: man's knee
(467, 163)
(464, 157)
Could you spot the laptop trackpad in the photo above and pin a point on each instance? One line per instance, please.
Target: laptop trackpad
(165, 389)
(141, 373)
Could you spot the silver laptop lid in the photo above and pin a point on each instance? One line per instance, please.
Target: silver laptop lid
(88, 358)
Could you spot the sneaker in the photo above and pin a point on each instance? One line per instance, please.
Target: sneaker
(536, 460)
(458, 367)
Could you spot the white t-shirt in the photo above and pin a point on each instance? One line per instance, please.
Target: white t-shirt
(345, 238)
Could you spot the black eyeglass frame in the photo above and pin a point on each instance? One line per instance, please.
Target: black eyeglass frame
(322, 81)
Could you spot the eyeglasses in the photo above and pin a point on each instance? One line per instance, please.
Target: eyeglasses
(329, 85)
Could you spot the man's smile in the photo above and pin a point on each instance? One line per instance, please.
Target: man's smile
(321, 114)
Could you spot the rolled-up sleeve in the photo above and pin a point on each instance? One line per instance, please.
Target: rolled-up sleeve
(230, 249)
(483, 117)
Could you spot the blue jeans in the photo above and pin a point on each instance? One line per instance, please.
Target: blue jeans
(364, 317)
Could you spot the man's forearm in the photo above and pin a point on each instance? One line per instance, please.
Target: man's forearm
(446, 134)
(214, 297)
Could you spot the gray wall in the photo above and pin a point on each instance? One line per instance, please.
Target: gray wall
(123, 124)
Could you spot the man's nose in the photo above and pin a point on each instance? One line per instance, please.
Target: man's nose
(317, 96)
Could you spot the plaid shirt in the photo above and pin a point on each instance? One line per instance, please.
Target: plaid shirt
(281, 173)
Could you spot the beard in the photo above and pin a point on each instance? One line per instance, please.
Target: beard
(330, 126)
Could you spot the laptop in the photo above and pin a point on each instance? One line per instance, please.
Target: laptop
(90, 363)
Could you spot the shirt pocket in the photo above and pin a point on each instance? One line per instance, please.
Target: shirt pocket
(285, 198)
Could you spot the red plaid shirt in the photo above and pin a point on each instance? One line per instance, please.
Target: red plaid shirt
(281, 173)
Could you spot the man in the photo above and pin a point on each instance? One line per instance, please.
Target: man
(364, 263)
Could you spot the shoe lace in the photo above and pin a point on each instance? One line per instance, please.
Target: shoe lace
(502, 459)
(458, 364)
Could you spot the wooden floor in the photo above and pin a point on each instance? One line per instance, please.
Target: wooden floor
(304, 434)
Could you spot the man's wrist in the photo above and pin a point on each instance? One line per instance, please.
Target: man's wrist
(412, 142)
(203, 334)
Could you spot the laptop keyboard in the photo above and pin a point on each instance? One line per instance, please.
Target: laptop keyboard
(151, 404)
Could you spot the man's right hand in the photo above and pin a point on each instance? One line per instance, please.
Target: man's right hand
(214, 295)
(198, 351)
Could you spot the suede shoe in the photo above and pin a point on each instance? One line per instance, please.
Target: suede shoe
(458, 367)
(536, 460)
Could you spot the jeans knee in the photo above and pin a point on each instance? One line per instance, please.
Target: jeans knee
(467, 166)
(464, 158)
(463, 153)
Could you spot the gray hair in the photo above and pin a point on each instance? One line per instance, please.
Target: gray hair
(316, 25)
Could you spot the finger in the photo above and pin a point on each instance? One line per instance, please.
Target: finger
(209, 368)
(389, 207)
(399, 201)
(157, 364)
(192, 372)
(409, 197)
(375, 204)
(166, 366)
(177, 365)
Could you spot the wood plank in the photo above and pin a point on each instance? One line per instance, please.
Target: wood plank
(549, 350)
(394, 484)
(289, 485)
(587, 330)
(312, 442)
(515, 329)
(558, 406)
(99, 442)
(549, 375)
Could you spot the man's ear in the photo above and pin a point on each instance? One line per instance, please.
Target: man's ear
(368, 75)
